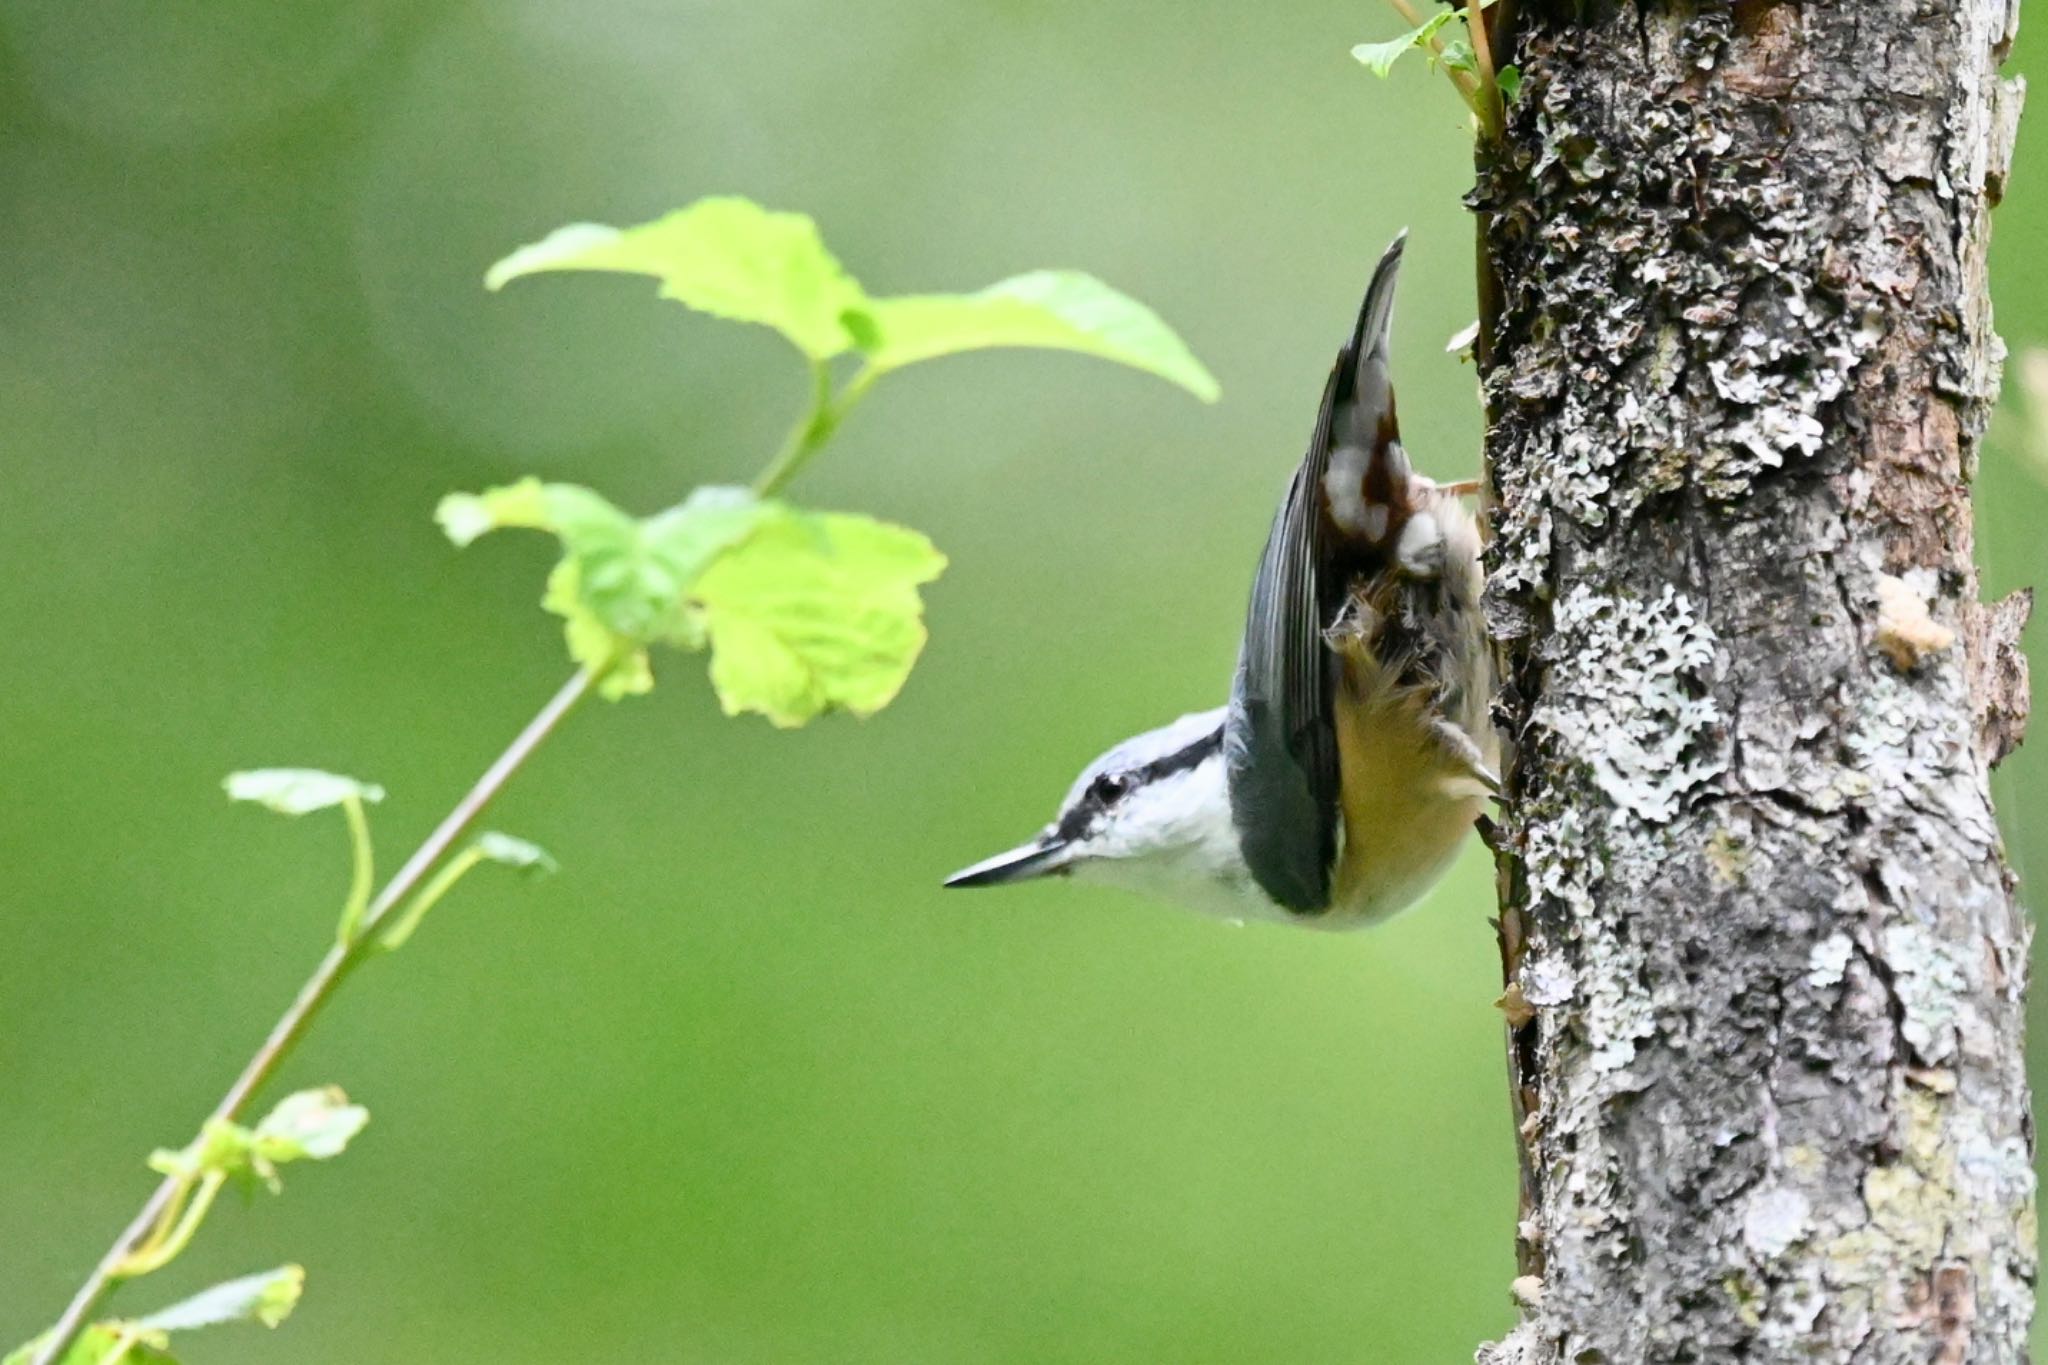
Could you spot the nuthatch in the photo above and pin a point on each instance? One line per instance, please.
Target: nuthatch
(1356, 749)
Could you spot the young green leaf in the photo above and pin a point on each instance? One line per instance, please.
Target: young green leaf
(1379, 58)
(816, 612)
(267, 1297)
(223, 1147)
(465, 516)
(804, 612)
(622, 663)
(1509, 79)
(1463, 341)
(622, 581)
(732, 258)
(95, 1345)
(726, 256)
(309, 1125)
(1062, 310)
(491, 847)
(515, 853)
(629, 572)
(298, 791)
(618, 584)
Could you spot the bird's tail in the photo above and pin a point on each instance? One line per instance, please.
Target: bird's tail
(1369, 491)
(1372, 381)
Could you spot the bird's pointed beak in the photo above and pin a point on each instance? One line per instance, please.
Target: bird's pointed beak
(1042, 856)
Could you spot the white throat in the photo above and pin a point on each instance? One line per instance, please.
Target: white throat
(1174, 840)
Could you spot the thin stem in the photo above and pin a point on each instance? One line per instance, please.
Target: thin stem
(123, 1344)
(154, 1257)
(453, 871)
(803, 438)
(1494, 115)
(333, 966)
(364, 868)
(810, 435)
(166, 1217)
(1468, 88)
(857, 388)
(1407, 13)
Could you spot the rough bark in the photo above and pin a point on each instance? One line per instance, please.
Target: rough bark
(1765, 963)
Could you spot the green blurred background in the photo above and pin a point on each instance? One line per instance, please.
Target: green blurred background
(742, 1084)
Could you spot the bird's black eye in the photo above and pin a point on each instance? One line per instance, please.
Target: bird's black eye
(1109, 788)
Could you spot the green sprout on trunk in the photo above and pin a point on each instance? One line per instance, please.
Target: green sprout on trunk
(1466, 56)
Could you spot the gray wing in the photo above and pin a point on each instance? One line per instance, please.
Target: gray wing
(1280, 737)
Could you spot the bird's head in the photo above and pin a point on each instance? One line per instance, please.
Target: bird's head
(1152, 814)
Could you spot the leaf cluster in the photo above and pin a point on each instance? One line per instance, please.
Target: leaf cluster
(311, 1125)
(1485, 88)
(731, 258)
(266, 1297)
(803, 612)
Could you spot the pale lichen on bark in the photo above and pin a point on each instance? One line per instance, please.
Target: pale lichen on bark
(1765, 958)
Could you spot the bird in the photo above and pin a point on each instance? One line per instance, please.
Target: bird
(1356, 750)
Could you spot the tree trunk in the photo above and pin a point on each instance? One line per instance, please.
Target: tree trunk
(1765, 964)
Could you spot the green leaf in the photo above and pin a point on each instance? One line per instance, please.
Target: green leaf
(1062, 310)
(815, 612)
(267, 1297)
(94, 1345)
(622, 581)
(297, 791)
(309, 1125)
(221, 1146)
(691, 534)
(590, 528)
(503, 848)
(804, 612)
(1379, 58)
(732, 258)
(1457, 56)
(1463, 341)
(1509, 79)
(591, 643)
(726, 256)
(465, 516)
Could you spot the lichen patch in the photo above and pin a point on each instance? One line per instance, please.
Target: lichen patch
(1629, 698)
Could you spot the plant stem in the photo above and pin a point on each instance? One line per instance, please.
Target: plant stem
(1493, 110)
(452, 871)
(1468, 88)
(333, 968)
(123, 1344)
(803, 439)
(809, 435)
(1407, 13)
(363, 874)
(148, 1258)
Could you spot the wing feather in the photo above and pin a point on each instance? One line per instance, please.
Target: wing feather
(1280, 737)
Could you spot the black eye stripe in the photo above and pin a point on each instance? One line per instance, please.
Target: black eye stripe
(1111, 785)
(1107, 788)
(1182, 759)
